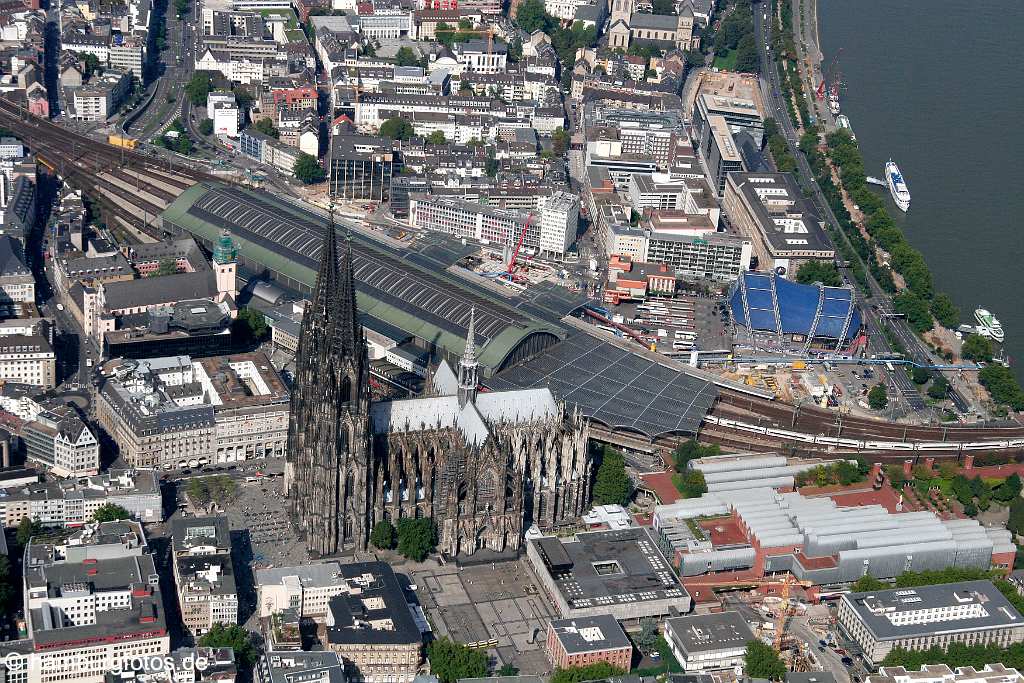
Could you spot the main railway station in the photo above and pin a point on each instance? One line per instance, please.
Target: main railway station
(525, 340)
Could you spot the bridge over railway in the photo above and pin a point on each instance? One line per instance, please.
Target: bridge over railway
(134, 189)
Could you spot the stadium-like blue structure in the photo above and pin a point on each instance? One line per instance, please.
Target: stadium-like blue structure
(775, 305)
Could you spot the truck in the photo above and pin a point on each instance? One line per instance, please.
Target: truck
(122, 141)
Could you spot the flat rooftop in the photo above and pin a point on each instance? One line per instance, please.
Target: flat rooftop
(609, 568)
(710, 632)
(590, 634)
(976, 606)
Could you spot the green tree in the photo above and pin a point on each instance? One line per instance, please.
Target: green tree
(450, 661)
(560, 141)
(92, 64)
(181, 8)
(27, 528)
(647, 639)
(199, 491)
(916, 310)
(591, 672)
(234, 636)
(945, 311)
(747, 58)
(491, 167)
(762, 661)
(532, 16)
(691, 449)
(1009, 490)
(977, 348)
(664, 7)
(308, 170)
(184, 144)
(690, 484)
(866, 584)
(206, 126)
(250, 325)
(920, 375)
(1002, 386)
(939, 388)
(1016, 521)
(824, 272)
(878, 397)
(436, 138)
(266, 126)
(383, 535)
(406, 57)
(167, 266)
(612, 485)
(515, 50)
(507, 670)
(110, 513)
(416, 538)
(198, 88)
(397, 129)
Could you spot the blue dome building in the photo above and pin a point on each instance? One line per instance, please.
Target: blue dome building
(768, 303)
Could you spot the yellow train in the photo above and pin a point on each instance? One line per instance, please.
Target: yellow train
(122, 141)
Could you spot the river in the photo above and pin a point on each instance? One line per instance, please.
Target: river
(937, 85)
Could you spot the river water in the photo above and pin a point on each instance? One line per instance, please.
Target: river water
(938, 86)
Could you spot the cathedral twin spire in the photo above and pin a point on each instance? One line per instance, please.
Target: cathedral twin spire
(468, 368)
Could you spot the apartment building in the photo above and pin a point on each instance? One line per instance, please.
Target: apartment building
(60, 440)
(971, 612)
(100, 99)
(371, 626)
(204, 573)
(293, 667)
(128, 54)
(28, 359)
(92, 604)
(175, 411)
(72, 502)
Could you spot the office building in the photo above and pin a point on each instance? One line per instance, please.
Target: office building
(472, 220)
(559, 221)
(940, 673)
(92, 605)
(588, 640)
(371, 627)
(719, 153)
(17, 285)
(203, 573)
(715, 256)
(176, 412)
(971, 612)
(621, 573)
(128, 54)
(59, 440)
(656, 191)
(307, 589)
(72, 502)
(28, 359)
(300, 667)
(769, 210)
(740, 115)
(708, 642)
(361, 167)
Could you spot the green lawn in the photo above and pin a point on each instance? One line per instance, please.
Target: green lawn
(726, 61)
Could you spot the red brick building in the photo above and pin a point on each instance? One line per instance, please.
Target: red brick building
(588, 640)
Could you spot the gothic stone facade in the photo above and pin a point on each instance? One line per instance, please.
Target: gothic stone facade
(485, 467)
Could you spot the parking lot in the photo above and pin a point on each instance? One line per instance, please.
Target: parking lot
(678, 322)
(498, 602)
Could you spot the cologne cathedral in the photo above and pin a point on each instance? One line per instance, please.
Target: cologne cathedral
(486, 466)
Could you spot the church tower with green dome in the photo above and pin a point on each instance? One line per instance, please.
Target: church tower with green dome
(225, 256)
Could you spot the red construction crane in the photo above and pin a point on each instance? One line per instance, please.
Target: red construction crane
(519, 244)
(826, 73)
